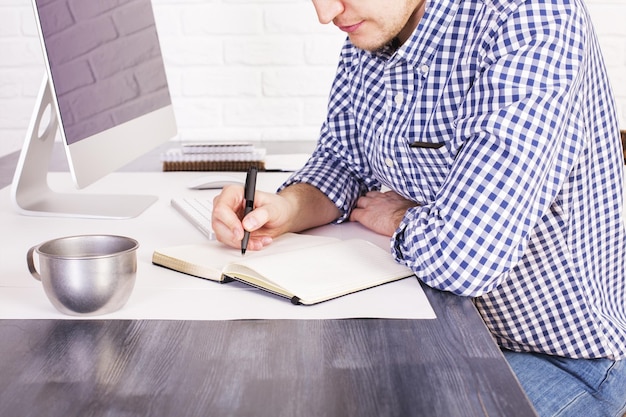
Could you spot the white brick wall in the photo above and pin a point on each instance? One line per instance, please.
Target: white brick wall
(237, 69)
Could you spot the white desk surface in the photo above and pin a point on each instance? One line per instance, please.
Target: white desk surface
(163, 294)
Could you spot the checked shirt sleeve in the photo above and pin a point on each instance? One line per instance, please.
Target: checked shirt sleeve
(521, 126)
(338, 167)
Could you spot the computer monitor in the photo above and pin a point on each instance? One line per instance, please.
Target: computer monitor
(105, 87)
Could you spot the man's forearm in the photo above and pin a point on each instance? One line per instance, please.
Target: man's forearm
(310, 207)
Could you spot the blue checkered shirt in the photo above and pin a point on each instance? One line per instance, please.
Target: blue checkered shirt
(496, 116)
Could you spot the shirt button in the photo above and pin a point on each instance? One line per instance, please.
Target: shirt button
(399, 98)
(424, 69)
(389, 162)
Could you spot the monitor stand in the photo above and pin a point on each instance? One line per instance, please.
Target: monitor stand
(30, 191)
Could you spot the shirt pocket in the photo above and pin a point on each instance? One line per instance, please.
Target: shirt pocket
(431, 163)
(431, 154)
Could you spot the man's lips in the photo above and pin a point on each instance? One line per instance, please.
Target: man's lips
(350, 28)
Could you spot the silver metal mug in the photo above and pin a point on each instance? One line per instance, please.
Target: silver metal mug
(86, 274)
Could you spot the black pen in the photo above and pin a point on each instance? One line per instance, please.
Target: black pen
(249, 197)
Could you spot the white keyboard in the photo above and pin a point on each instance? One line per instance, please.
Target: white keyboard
(197, 211)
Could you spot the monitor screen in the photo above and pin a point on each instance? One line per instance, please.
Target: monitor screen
(106, 87)
(105, 63)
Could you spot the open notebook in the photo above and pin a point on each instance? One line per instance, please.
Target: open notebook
(306, 269)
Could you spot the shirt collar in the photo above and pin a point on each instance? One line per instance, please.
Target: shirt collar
(426, 38)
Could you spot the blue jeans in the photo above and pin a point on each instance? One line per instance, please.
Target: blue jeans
(571, 387)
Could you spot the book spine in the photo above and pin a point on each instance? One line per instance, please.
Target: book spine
(178, 160)
(212, 165)
(295, 300)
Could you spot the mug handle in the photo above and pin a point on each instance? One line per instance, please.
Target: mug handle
(31, 263)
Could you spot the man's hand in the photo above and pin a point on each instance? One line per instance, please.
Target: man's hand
(296, 208)
(228, 222)
(381, 212)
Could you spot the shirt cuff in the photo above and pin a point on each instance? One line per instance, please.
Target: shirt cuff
(332, 183)
(398, 247)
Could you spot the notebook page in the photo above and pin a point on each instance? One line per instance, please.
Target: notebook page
(328, 271)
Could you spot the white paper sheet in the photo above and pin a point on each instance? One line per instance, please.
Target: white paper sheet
(163, 294)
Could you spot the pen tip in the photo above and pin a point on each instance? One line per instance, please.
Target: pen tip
(243, 252)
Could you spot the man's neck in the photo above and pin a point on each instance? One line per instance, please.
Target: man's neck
(411, 24)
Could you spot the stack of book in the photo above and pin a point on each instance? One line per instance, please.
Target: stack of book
(213, 157)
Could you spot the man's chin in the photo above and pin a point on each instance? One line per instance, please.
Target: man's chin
(370, 45)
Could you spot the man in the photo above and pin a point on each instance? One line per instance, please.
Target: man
(493, 126)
